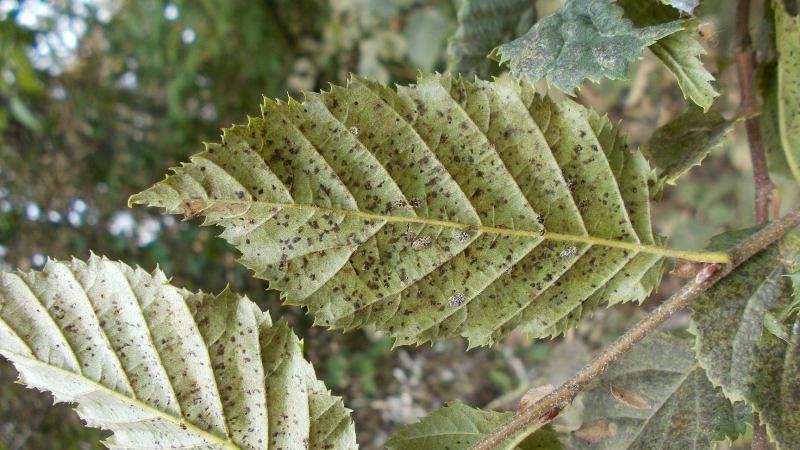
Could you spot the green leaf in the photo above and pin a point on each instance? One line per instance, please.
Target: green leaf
(748, 363)
(23, 114)
(782, 92)
(656, 396)
(459, 426)
(679, 51)
(482, 26)
(162, 367)
(793, 308)
(685, 142)
(583, 39)
(767, 78)
(776, 326)
(545, 438)
(445, 208)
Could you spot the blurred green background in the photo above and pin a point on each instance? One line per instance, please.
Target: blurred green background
(99, 97)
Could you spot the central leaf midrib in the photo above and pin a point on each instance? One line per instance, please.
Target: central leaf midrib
(699, 256)
(675, 386)
(139, 404)
(741, 340)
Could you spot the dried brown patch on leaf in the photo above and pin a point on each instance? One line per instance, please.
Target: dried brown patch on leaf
(533, 395)
(596, 431)
(629, 397)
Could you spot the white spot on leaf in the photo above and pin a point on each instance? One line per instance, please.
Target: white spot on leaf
(456, 300)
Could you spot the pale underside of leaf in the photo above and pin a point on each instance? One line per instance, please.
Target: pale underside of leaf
(482, 26)
(458, 426)
(656, 396)
(686, 6)
(739, 355)
(161, 367)
(447, 207)
(584, 39)
(643, 273)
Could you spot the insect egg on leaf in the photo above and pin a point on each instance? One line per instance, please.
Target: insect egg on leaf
(569, 251)
(457, 300)
(461, 235)
(421, 243)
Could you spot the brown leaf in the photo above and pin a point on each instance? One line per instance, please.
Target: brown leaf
(596, 431)
(533, 395)
(630, 398)
(195, 207)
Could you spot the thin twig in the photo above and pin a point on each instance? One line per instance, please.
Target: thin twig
(764, 190)
(745, 67)
(760, 440)
(549, 406)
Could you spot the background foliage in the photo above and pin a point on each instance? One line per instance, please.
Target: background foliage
(98, 97)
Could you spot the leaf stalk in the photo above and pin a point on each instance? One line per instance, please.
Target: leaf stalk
(548, 407)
